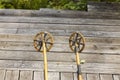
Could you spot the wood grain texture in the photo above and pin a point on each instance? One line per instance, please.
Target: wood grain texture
(12, 75)
(84, 27)
(47, 20)
(53, 76)
(38, 75)
(106, 77)
(26, 75)
(67, 76)
(59, 39)
(59, 13)
(100, 67)
(28, 46)
(103, 7)
(20, 60)
(2, 74)
(116, 77)
(60, 66)
(93, 77)
(60, 32)
(60, 56)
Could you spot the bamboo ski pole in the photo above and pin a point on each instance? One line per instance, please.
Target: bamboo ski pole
(40, 43)
(79, 75)
(77, 44)
(45, 62)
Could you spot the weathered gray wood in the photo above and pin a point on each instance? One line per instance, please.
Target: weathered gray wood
(109, 40)
(95, 33)
(59, 56)
(101, 52)
(106, 77)
(37, 65)
(110, 68)
(60, 32)
(58, 20)
(103, 7)
(59, 13)
(99, 68)
(12, 75)
(59, 39)
(16, 37)
(98, 58)
(75, 76)
(38, 75)
(26, 75)
(67, 76)
(2, 74)
(53, 76)
(116, 77)
(9, 31)
(59, 27)
(94, 48)
(93, 77)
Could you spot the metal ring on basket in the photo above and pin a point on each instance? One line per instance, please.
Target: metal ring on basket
(77, 40)
(43, 37)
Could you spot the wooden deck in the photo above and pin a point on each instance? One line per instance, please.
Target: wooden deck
(20, 61)
(38, 75)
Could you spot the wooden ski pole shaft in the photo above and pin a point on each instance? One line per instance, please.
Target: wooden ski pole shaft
(78, 66)
(41, 40)
(45, 62)
(77, 44)
(79, 75)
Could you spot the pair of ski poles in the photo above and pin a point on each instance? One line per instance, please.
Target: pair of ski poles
(43, 42)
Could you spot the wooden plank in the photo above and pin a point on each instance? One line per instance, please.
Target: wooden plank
(67, 76)
(60, 66)
(106, 77)
(38, 75)
(60, 32)
(53, 76)
(103, 7)
(57, 20)
(98, 58)
(95, 33)
(16, 37)
(64, 32)
(84, 76)
(59, 47)
(98, 68)
(60, 27)
(59, 56)
(93, 77)
(109, 40)
(59, 13)
(116, 77)
(75, 76)
(2, 74)
(8, 31)
(26, 75)
(59, 39)
(12, 75)
(94, 48)
(36, 65)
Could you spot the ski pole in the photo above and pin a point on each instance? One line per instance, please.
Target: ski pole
(43, 42)
(77, 44)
